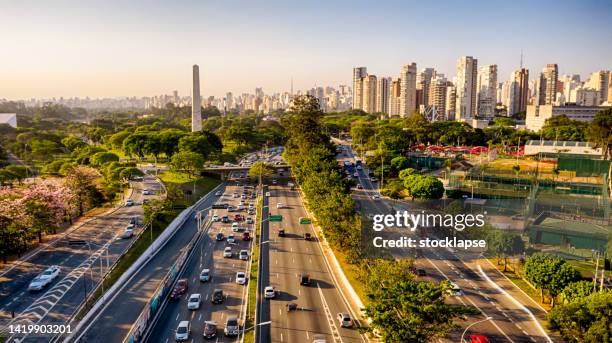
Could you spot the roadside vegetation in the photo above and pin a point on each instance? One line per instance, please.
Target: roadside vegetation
(389, 286)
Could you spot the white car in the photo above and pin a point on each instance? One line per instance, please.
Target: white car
(235, 195)
(249, 220)
(205, 275)
(359, 167)
(243, 255)
(280, 205)
(235, 226)
(373, 179)
(218, 193)
(215, 218)
(231, 238)
(43, 279)
(455, 290)
(345, 320)
(356, 174)
(128, 233)
(241, 278)
(129, 202)
(194, 301)
(146, 192)
(227, 252)
(182, 331)
(375, 197)
(267, 194)
(269, 292)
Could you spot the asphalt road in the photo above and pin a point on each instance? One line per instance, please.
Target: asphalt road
(114, 322)
(81, 269)
(209, 255)
(509, 323)
(289, 257)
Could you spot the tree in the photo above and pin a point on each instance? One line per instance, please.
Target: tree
(80, 181)
(102, 158)
(187, 161)
(427, 187)
(600, 132)
(240, 133)
(585, 319)
(399, 163)
(135, 144)
(576, 290)
(407, 172)
(197, 144)
(116, 140)
(503, 244)
(71, 143)
(403, 310)
(128, 173)
(548, 272)
(260, 169)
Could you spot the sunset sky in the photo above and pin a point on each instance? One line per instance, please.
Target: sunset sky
(143, 48)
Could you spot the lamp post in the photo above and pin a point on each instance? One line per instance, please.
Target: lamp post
(469, 326)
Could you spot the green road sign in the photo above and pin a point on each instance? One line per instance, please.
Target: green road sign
(276, 218)
(304, 220)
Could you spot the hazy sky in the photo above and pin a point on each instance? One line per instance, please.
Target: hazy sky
(115, 48)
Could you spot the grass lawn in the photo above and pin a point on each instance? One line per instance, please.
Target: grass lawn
(203, 185)
(352, 274)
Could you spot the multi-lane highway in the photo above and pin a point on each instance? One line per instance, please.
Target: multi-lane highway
(479, 282)
(81, 267)
(209, 254)
(287, 259)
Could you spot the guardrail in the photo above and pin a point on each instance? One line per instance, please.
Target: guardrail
(146, 256)
(150, 314)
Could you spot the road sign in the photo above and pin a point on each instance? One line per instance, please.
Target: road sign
(304, 220)
(276, 218)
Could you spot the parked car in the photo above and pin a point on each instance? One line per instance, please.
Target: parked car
(179, 289)
(205, 275)
(43, 279)
(215, 218)
(280, 205)
(193, 303)
(183, 331)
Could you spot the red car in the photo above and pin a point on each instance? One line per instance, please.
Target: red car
(477, 339)
(246, 236)
(180, 289)
(238, 217)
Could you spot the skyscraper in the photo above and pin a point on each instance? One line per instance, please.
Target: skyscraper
(599, 81)
(383, 93)
(196, 101)
(518, 92)
(451, 101)
(394, 98)
(408, 90)
(547, 88)
(487, 91)
(358, 74)
(423, 81)
(437, 95)
(467, 71)
(369, 93)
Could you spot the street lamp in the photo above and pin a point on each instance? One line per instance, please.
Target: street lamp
(260, 324)
(469, 326)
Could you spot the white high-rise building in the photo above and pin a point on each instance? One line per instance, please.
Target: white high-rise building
(518, 92)
(600, 81)
(369, 94)
(467, 71)
(196, 101)
(451, 102)
(487, 91)
(358, 74)
(547, 87)
(394, 98)
(383, 94)
(408, 90)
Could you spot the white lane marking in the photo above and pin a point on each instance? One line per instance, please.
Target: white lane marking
(523, 307)
(177, 315)
(471, 302)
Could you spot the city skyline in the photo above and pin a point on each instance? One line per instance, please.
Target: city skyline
(142, 51)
